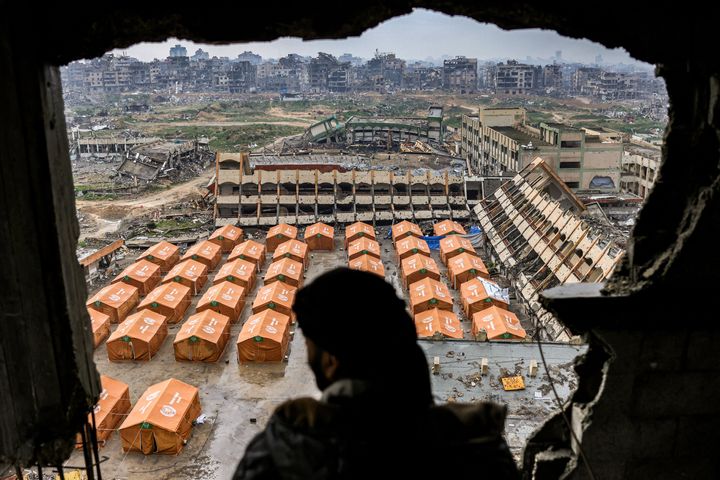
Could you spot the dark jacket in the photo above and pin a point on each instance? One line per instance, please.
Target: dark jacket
(353, 433)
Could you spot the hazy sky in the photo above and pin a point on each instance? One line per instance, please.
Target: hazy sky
(419, 35)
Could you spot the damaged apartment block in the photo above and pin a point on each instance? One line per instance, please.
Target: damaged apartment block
(304, 193)
(534, 229)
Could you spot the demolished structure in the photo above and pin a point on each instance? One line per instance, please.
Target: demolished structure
(534, 230)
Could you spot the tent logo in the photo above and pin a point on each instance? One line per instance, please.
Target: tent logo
(168, 411)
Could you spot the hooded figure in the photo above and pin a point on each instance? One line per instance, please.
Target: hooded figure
(376, 416)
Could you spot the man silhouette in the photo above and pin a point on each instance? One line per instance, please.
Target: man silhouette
(376, 417)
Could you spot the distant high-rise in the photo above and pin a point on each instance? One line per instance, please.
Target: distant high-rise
(252, 58)
(598, 60)
(178, 51)
(558, 55)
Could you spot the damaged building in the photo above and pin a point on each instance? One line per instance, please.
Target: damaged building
(304, 190)
(162, 158)
(500, 140)
(534, 228)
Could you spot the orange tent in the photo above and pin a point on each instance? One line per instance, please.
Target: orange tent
(285, 270)
(139, 337)
(497, 323)
(251, 251)
(205, 252)
(405, 229)
(112, 407)
(410, 246)
(358, 230)
(226, 298)
(366, 263)
(294, 250)
(227, 237)
(238, 271)
(454, 245)
(162, 253)
(203, 337)
(191, 273)
(276, 296)
(169, 299)
(427, 294)
(478, 294)
(448, 227)
(116, 300)
(363, 246)
(264, 337)
(416, 267)
(320, 236)
(464, 267)
(100, 325)
(278, 234)
(162, 419)
(438, 323)
(142, 274)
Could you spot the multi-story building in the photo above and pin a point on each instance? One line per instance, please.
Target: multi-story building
(552, 78)
(252, 58)
(460, 74)
(513, 78)
(178, 51)
(301, 190)
(499, 141)
(640, 164)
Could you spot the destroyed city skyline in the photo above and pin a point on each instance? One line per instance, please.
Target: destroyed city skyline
(420, 35)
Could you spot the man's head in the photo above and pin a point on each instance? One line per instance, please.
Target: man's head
(356, 327)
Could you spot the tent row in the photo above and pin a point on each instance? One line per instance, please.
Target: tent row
(364, 251)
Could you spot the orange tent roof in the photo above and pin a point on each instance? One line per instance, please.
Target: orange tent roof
(100, 325)
(249, 250)
(112, 406)
(416, 267)
(205, 252)
(285, 270)
(139, 337)
(169, 299)
(448, 227)
(238, 271)
(226, 298)
(405, 229)
(438, 322)
(279, 234)
(277, 296)
(410, 246)
(366, 263)
(358, 230)
(161, 419)
(293, 249)
(264, 337)
(162, 253)
(227, 237)
(320, 236)
(142, 274)
(202, 337)
(115, 300)
(190, 273)
(464, 267)
(363, 246)
(478, 293)
(455, 245)
(427, 294)
(498, 323)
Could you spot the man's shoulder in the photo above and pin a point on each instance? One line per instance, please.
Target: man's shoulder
(306, 413)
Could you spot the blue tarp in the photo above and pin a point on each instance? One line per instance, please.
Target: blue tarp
(475, 237)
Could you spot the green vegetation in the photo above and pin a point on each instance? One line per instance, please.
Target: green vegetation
(174, 224)
(233, 139)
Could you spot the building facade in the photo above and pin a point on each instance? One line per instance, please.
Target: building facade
(460, 74)
(499, 141)
(640, 165)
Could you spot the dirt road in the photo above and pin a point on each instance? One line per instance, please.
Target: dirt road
(106, 216)
(298, 123)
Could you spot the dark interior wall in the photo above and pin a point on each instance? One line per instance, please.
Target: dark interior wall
(638, 429)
